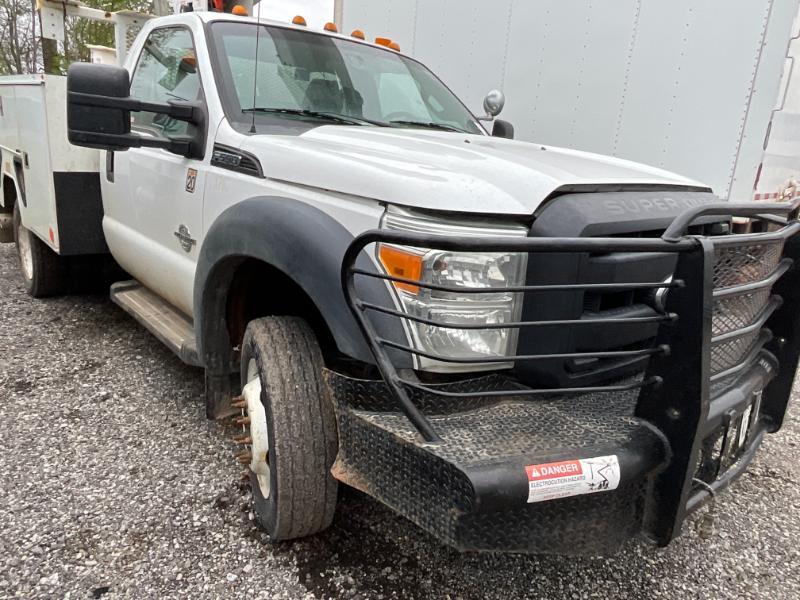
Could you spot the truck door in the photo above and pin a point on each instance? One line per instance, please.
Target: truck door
(154, 206)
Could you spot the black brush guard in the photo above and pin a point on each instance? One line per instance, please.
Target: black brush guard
(451, 456)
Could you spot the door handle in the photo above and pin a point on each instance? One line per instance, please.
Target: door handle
(110, 166)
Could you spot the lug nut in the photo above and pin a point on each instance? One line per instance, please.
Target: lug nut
(239, 402)
(245, 458)
(243, 421)
(244, 440)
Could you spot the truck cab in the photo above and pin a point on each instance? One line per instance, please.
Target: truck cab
(503, 341)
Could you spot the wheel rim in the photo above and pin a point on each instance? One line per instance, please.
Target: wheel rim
(259, 433)
(25, 250)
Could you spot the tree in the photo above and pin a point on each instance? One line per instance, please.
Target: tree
(18, 40)
(23, 50)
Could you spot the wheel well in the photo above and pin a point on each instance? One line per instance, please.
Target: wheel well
(9, 195)
(259, 290)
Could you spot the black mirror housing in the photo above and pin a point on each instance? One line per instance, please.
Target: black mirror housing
(99, 110)
(503, 129)
(102, 127)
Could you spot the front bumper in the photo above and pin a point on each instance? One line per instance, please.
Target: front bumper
(467, 461)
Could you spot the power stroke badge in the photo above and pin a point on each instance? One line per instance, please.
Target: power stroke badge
(549, 481)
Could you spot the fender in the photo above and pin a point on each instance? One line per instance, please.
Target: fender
(304, 243)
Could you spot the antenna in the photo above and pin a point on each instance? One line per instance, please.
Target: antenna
(255, 67)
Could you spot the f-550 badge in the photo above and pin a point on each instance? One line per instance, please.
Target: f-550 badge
(191, 180)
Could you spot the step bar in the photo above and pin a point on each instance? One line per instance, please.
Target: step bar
(168, 324)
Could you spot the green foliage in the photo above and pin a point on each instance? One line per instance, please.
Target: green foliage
(23, 51)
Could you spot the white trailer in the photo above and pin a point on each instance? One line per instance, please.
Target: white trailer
(698, 88)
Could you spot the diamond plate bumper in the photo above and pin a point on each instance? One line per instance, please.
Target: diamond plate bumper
(471, 489)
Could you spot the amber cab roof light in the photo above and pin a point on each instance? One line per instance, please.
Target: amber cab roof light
(299, 20)
(331, 27)
(383, 41)
(395, 46)
(239, 11)
(358, 34)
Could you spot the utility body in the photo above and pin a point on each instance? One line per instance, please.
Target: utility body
(518, 347)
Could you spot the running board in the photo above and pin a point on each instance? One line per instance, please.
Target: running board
(160, 318)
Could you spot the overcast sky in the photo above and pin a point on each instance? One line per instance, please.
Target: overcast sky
(316, 12)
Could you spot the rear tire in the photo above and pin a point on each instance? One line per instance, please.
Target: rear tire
(43, 271)
(298, 496)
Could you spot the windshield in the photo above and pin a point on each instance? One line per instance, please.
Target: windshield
(319, 79)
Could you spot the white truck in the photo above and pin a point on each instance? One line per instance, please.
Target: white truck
(632, 78)
(516, 346)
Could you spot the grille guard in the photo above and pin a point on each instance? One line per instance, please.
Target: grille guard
(678, 388)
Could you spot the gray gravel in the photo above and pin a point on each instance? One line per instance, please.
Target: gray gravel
(113, 485)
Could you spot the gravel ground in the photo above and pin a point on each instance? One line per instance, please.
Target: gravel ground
(113, 485)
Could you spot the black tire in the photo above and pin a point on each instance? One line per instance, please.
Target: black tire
(301, 423)
(43, 271)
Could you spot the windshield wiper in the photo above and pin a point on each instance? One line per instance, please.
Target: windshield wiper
(429, 125)
(316, 114)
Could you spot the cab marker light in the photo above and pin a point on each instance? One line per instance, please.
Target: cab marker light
(358, 34)
(382, 41)
(331, 27)
(299, 20)
(395, 46)
(239, 11)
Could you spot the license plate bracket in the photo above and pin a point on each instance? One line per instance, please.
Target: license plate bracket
(738, 432)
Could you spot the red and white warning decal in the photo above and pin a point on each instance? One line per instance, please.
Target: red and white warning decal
(549, 481)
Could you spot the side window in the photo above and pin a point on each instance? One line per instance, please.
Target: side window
(166, 70)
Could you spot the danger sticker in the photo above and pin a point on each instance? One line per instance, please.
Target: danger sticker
(549, 481)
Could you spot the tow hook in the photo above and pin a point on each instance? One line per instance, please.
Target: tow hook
(705, 525)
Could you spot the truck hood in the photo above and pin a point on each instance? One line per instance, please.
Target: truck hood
(442, 170)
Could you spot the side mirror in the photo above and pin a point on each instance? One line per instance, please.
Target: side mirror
(99, 110)
(493, 105)
(503, 129)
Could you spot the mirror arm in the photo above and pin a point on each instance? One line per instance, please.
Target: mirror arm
(179, 144)
(186, 110)
(177, 109)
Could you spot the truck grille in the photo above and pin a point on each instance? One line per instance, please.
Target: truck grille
(738, 264)
(742, 278)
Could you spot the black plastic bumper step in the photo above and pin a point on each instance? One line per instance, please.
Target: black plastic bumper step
(472, 489)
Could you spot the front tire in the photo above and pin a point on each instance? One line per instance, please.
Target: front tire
(43, 271)
(294, 494)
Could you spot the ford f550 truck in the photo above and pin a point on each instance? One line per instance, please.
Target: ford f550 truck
(518, 347)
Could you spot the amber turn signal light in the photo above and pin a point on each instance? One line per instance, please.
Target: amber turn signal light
(404, 264)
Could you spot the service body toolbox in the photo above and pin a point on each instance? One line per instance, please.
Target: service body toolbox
(57, 183)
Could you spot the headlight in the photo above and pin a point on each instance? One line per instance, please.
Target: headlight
(485, 270)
